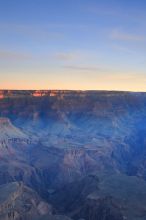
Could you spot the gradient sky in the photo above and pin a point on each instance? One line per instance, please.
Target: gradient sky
(73, 44)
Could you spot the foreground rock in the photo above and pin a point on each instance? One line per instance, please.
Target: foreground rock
(18, 202)
(104, 197)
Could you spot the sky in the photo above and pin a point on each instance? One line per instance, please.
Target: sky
(73, 44)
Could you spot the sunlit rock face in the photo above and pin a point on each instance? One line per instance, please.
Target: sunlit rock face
(10, 138)
(1, 95)
(51, 139)
(7, 130)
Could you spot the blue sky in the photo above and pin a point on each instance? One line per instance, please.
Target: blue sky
(73, 44)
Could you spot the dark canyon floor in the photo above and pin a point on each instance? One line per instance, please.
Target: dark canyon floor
(72, 155)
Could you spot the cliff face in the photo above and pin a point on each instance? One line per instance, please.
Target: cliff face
(100, 208)
(51, 139)
(86, 131)
(92, 130)
(20, 202)
(103, 196)
(10, 135)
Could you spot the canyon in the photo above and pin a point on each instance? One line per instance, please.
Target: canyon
(72, 155)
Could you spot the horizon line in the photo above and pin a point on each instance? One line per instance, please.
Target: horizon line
(74, 90)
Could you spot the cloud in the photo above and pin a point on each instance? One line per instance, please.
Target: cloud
(84, 68)
(122, 36)
(66, 56)
(11, 55)
(79, 56)
(123, 49)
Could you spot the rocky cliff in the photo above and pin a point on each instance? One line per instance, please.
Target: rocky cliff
(54, 139)
(19, 202)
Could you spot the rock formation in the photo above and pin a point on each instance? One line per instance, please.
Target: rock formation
(64, 145)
